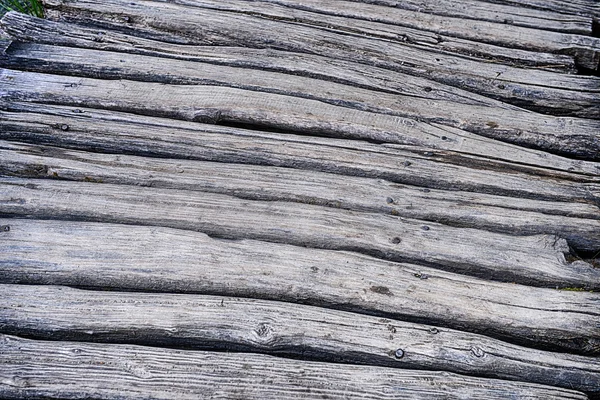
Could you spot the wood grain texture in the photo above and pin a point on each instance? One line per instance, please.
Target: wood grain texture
(117, 132)
(517, 14)
(158, 259)
(562, 135)
(529, 87)
(237, 324)
(578, 223)
(27, 29)
(36, 369)
(402, 24)
(536, 260)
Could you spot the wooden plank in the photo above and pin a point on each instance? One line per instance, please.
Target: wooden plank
(536, 260)
(36, 369)
(220, 104)
(578, 7)
(568, 136)
(392, 23)
(578, 223)
(514, 14)
(114, 132)
(27, 29)
(125, 257)
(237, 324)
(540, 90)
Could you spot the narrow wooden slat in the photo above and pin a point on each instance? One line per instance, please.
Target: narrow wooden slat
(218, 104)
(115, 132)
(578, 223)
(496, 12)
(166, 260)
(578, 7)
(536, 89)
(28, 29)
(35, 369)
(392, 23)
(537, 259)
(570, 136)
(225, 323)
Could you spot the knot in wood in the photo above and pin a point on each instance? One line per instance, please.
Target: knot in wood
(5, 228)
(477, 352)
(263, 330)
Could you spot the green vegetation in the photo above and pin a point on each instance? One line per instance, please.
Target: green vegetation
(31, 7)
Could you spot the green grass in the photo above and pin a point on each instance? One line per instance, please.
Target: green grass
(31, 7)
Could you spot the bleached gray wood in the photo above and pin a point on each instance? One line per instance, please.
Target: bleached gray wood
(237, 324)
(70, 370)
(116, 132)
(578, 223)
(578, 7)
(515, 14)
(156, 259)
(25, 29)
(392, 23)
(536, 260)
(563, 135)
(220, 104)
(532, 88)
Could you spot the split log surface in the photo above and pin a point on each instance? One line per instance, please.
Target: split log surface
(37, 369)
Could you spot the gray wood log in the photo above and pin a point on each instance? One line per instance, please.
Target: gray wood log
(393, 23)
(122, 257)
(250, 268)
(515, 14)
(578, 7)
(569, 136)
(534, 88)
(537, 260)
(578, 223)
(38, 369)
(26, 29)
(115, 132)
(237, 324)
(218, 104)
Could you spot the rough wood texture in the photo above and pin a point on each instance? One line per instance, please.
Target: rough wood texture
(33, 369)
(543, 90)
(496, 12)
(578, 223)
(237, 324)
(562, 135)
(219, 104)
(166, 260)
(384, 185)
(535, 260)
(401, 24)
(116, 132)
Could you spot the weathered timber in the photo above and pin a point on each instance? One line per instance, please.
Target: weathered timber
(238, 324)
(536, 260)
(496, 12)
(536, 89)
(39, 369)
(578, 223)
(401, 24)
(116, 132)
(578, 7)
(562, 135)
(332, 18)
(218, 104)
(121, 257)
(28, 29)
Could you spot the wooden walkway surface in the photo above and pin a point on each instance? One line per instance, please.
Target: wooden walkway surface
(286, 199)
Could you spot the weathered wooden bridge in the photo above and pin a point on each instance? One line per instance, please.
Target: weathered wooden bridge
(284, 199)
